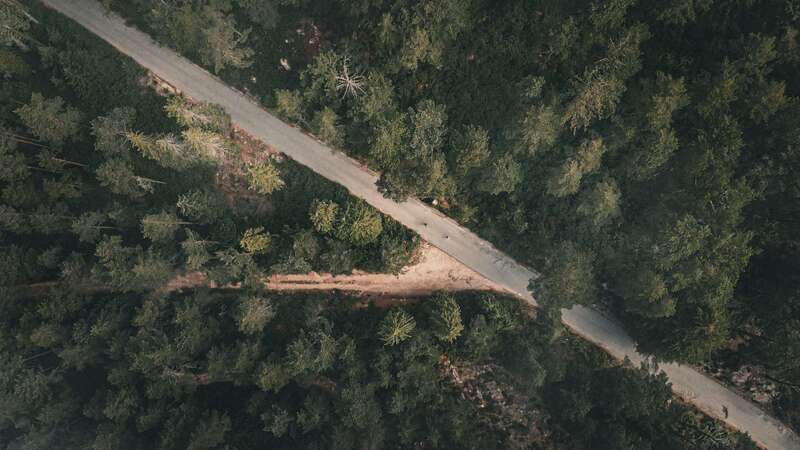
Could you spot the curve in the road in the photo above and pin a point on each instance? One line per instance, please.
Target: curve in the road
(705, 393)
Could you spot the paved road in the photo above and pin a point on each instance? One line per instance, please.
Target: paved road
(440, 231)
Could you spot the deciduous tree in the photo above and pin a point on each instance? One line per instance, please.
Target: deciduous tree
(502, 175)
(15, 21)
(471, 147)
(289, 105)
(326, 127)
(601, 204)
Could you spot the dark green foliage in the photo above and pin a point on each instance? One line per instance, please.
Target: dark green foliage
(360, 223)
(568, 278)
(650, 135)
(204, 206)
(111, 184)
(656, 140)
(49, 119)
(215, 369)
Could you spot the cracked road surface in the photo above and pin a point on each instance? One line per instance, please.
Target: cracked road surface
(444, 233)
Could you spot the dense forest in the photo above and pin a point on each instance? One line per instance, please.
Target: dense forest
(247, 369)
(106, 183)
(640, 154)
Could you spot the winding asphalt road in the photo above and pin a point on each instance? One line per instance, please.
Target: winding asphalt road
(705, 393)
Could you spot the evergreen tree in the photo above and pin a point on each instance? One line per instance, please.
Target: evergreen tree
(161, 227)
(568, 279)
(255, 241)
(396, 327)
(323, 215)
(360, 224)
(448, 326)
(49, 119)
(203, 206)
(15, 22)
(264, 178)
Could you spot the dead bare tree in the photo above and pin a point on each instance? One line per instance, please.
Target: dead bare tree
(349, 84)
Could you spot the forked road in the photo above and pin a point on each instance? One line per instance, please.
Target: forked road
(440, 231)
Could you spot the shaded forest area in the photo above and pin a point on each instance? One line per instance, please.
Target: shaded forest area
(247, 369)
(641, 154)
(104, 183)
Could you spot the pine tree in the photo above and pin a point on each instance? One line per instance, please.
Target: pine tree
(396, 326)
(15, 22)
(360, 225)
(254, 313)
(447, 319)
(49, 119)
(161, 227)
(264, 178)
(323, 215)
(110, 131)
(255, 241)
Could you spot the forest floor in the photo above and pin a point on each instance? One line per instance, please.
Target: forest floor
(433, 271)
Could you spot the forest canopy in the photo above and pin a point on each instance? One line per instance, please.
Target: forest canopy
(642, 155)
(642, 152)
(656, 139)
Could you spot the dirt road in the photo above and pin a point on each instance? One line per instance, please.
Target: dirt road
(440, 231)
(434, 271)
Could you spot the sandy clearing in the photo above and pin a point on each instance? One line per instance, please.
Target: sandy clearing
(433, 271)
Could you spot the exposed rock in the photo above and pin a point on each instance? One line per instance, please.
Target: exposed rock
(505, 409)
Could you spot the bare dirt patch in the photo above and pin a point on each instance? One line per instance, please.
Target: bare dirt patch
(434, 271)
(231, 172)
(231, 167)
